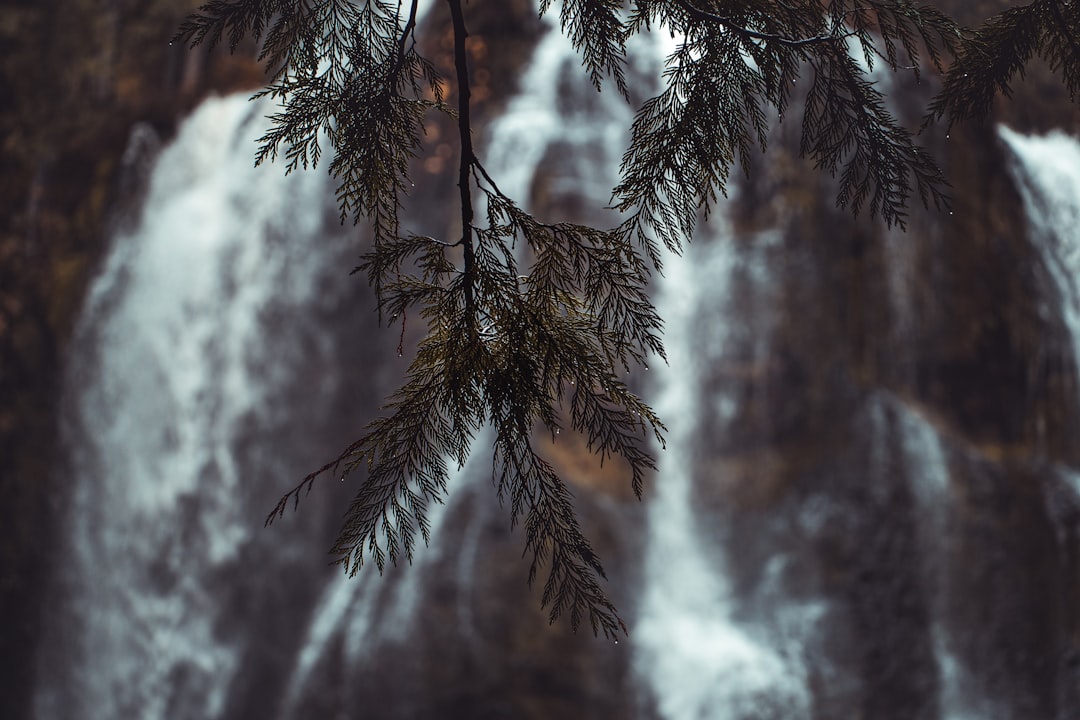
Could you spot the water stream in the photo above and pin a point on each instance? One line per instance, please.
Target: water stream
(197, 336)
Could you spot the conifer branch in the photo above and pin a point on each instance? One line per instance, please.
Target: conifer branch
(994, 55)
(536, 339)
(987, 62)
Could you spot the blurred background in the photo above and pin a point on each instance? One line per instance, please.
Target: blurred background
(869, 502)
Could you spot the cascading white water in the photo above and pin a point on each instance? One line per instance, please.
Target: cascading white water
(190, 333)
(1047, 169)
(928, 477)
(697, 659)
(1047, 173)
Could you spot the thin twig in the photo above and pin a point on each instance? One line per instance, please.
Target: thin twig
(699, 14)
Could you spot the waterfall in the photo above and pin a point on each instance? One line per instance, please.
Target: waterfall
(223, 352)
(198, 336)
(698, 660)
(1048, 172)
(927, 472)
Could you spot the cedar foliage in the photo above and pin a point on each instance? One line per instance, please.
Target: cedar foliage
(529, 322)
(995, 55)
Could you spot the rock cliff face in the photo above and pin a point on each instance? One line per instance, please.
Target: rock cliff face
(869, 499)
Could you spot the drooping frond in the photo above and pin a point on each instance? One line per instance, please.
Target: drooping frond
(734, 71)
(522, 340)
(994, 55)
(847, 128)
(552, 534)
(405, 454)
(598, 32)
(233, 20)
(346, 76)
(884, 28)
(685, 141)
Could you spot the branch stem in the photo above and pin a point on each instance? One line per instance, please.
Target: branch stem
(410, 27)
(468, 159)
